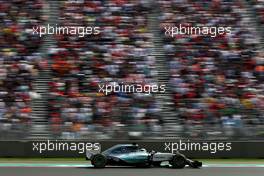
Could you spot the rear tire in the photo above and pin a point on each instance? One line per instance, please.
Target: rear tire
(98, 161)
(178, 162)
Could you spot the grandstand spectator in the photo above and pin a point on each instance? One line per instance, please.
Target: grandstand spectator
(213, 77)
(121, 54)
(259, 6)
(19, 60)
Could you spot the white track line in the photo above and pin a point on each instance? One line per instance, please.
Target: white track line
(233, 165)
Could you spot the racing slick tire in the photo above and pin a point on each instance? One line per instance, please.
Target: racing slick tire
(178, 162)
(98, 161)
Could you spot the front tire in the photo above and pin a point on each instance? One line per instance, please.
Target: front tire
(98, 161)
(178, 162)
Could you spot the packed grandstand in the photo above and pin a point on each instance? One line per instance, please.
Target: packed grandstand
(215, 85)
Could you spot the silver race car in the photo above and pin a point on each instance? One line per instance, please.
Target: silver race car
(133, 155)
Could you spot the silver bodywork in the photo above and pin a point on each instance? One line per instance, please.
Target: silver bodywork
(153, 156)
(162, 156)
(128, 154)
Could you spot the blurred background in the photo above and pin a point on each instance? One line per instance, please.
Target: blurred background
(49, 85)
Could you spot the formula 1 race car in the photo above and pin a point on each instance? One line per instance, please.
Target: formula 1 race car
(133, 155)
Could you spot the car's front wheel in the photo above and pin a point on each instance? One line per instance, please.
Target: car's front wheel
(99, 161)
(178, 162)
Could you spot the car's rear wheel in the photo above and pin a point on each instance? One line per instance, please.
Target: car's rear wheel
(98, 161)
(178, 162)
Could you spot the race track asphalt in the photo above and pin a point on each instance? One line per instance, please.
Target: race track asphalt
(121, 171)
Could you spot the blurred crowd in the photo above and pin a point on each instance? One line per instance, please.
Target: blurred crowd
(215, 80)
(259, 6)
(120, 54)
(19, 60)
